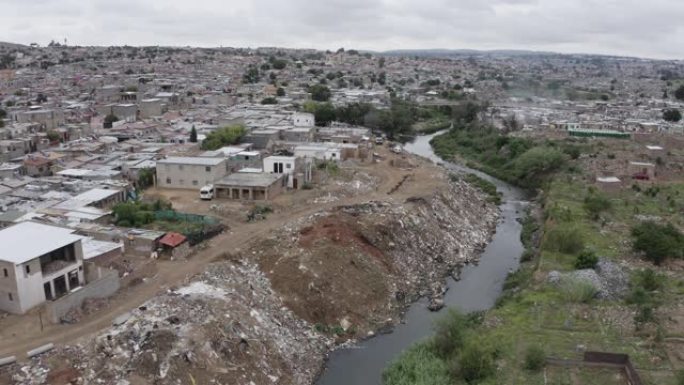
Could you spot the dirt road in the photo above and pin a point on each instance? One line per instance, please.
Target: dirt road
(174, 273)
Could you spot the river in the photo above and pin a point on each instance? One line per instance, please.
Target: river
(477, 289)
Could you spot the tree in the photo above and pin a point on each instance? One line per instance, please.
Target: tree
(320, 93)
(279, 64)
(145, 178)
(679, 92)
(193, 134)
(224, 136)
(324, 113)
(53, 136)
(252, 75)
(109, 120)
(280, 91)
(536, 163)
(269, 100)
(672, 115)
(658, 241)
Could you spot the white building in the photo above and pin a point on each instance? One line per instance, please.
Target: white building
(38, 262)
(321, 151)
(303, 119)
(185, 172)
(281, 165)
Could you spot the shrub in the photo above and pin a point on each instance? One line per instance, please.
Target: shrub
(577, 290)
(450, 333)
(587, 259)
(595, 204)
(535, 358)
(564, 238)
(536, 163)
(648, 279)
(657, 241)
(475, 363)
(417, 366)
(645, 314)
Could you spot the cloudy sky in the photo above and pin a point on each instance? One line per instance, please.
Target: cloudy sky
(647, 28)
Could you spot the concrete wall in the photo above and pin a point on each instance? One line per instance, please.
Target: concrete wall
(30, 292)
(104, 287)
(186, 176)
(8, 285)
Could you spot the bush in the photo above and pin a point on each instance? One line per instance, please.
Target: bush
(475, 363)
(564, 238)
(672, 115)
(450, 333)
(595, 204)
(587, 259)
(419, 365)
(577, 290)
(648, 279)
(535, 358)
(536, 163)
(269, 100)
(657, 241)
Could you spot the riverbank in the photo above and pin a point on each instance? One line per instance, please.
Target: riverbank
(477, 288)
(583, 287)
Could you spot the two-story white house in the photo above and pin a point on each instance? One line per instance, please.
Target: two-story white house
(184, 172)
(38, 262)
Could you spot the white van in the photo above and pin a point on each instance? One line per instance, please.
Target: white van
(207, 192)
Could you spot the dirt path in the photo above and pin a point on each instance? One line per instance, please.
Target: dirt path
(176, 273)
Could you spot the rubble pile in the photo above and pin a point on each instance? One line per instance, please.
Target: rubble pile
(609, 279)
(225, 327)
(362, 264)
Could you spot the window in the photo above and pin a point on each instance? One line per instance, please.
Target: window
(168, 180)
(180, 167)
(207, 169)
(10, 296)
(181, 181)
(28, 269)
(6, 272)
(194, 183)
(288, 165)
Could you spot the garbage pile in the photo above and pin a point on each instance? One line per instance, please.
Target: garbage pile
(225, 327)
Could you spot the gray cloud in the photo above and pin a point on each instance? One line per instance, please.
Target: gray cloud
(626, 27)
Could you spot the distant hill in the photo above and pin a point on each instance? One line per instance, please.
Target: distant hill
(6, 45)
(460, 53)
